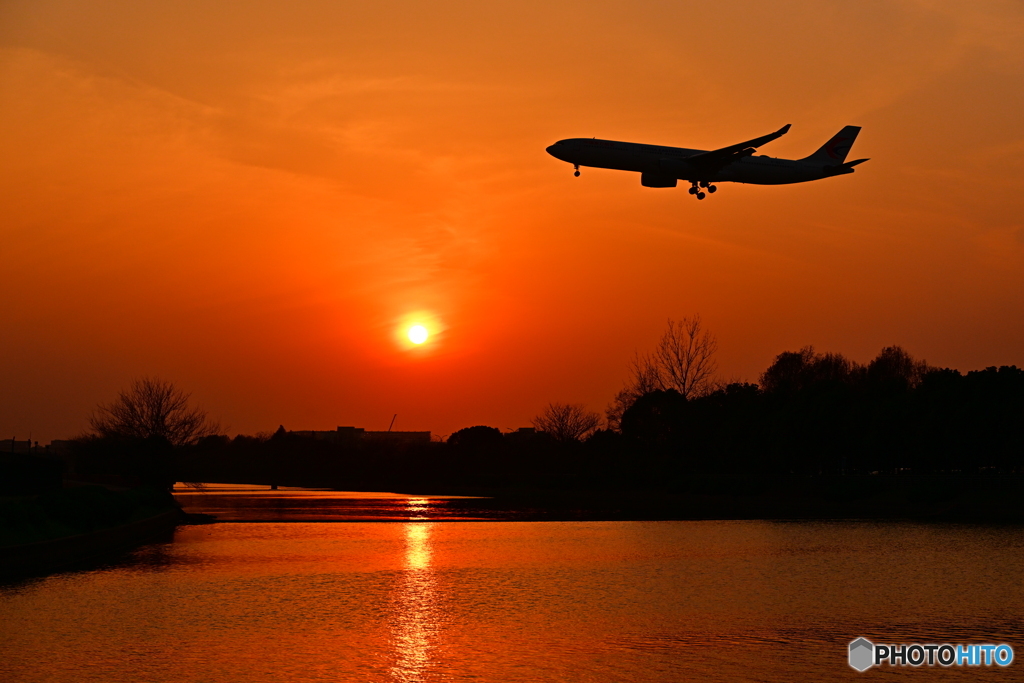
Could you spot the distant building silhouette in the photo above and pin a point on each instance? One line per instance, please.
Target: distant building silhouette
(343, 435)
(524, 436)
(15, 446)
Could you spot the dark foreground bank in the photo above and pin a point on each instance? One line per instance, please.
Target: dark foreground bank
(72, 526)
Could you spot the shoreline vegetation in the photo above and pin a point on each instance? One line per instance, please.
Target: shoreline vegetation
(818, 437)
(812, 418)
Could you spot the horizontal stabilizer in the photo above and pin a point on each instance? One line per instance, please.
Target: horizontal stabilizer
(843, 168)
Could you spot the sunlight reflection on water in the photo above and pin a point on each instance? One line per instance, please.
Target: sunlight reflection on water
(414, 615)
(417, 508)
(244, 503)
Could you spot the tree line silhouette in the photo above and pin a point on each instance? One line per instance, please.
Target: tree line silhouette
(810, 415)
(821, 414)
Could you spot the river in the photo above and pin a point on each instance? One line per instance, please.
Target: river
(507, 601)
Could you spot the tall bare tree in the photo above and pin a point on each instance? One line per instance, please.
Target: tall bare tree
(567, 421)
(683, 360)
(153, 408)
(685, 357)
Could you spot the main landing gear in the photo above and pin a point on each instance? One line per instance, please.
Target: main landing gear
(695, 188)
(577, 167)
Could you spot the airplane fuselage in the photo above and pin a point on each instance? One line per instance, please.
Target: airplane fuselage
(659, 165)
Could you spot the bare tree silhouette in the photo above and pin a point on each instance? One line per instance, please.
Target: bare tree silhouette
(685, 357)
(153, 408)
(567, 422)
(683, 360)
(644, 377)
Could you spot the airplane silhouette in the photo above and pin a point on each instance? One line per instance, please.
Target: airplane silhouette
(664, 166)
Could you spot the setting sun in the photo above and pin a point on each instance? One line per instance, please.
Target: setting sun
(418, 334)
(419, 329)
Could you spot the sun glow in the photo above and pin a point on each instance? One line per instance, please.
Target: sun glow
(420, 330)
(418, 334)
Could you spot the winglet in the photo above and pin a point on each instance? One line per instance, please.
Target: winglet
(726, 155)
(757, 142)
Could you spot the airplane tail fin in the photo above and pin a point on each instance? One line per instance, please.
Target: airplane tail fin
(835, 150)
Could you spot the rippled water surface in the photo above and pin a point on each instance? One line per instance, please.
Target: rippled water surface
(241, 503)
(519, 601)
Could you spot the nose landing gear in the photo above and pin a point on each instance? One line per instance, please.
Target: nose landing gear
(577, 171)
(695, 188)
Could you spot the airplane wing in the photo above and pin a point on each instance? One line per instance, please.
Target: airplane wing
(718, 158)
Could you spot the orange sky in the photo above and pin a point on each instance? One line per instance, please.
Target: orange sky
(246, 197)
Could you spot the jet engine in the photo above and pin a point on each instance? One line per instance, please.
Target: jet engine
(657, 180)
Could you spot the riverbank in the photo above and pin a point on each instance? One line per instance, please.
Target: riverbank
(80, 524)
